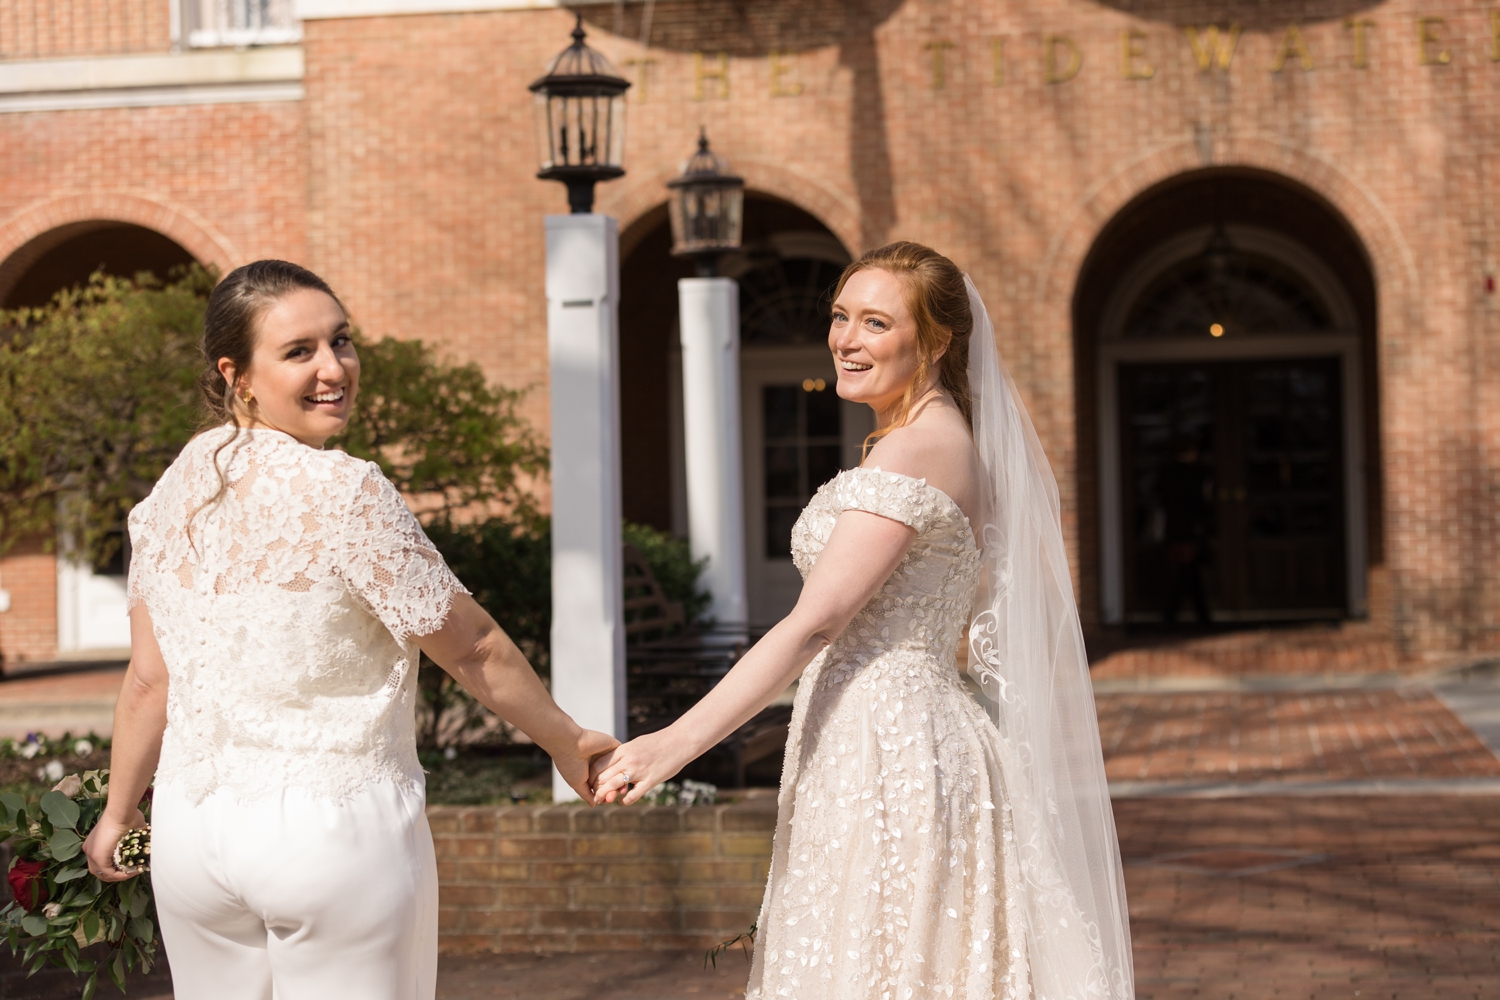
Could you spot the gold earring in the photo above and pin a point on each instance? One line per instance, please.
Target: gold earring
(248, 396)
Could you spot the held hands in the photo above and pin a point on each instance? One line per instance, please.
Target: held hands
(631, 770)
(99, 847)
(573, 763)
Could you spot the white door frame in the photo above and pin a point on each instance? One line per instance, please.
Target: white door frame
(1114, 350)
(773, 585)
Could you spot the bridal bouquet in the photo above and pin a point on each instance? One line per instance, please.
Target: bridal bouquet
(60, 909)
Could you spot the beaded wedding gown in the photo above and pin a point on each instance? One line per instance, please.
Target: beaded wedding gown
(895, 872)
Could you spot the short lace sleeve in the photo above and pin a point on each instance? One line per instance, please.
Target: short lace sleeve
(389, 563)
(900, 498)
(142, 543)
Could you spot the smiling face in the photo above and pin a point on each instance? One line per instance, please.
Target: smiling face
(873, 337)
(304, 372)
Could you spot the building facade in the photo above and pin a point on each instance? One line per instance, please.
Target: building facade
(1241, 258)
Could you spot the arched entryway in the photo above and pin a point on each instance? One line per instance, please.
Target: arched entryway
(1225, 335)
(90, 600)
(65, 257)
(797, 433)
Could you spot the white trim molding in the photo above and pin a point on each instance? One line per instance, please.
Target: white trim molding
(322, 10)
(219, 77)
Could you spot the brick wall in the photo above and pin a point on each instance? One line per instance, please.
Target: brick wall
(571, 878)
(28, 631)
(407, 177)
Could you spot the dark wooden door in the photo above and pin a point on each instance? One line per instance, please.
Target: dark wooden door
(1233, 482)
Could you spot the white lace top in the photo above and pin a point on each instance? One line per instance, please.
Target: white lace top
(285, 616)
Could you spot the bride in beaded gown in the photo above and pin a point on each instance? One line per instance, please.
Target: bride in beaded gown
(929, 844)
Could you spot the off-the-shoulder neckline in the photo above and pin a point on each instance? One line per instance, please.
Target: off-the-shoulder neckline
(925, 485)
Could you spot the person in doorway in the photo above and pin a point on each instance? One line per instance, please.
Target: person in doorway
(279, 594)
(1185, 510)
(925, 848)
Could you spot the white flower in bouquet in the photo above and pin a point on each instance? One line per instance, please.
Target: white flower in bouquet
(51, 910)
(69, 786)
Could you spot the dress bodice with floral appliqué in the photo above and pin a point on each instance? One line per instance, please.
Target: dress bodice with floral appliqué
(285, 611)
(894, 868)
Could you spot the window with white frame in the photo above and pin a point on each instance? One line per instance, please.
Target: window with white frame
(239, 23)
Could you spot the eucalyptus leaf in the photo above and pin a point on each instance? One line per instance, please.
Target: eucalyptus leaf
(65, 845)
(69, 874)
(138, 904)
(34, 924)
(61, 810)
(90, 927)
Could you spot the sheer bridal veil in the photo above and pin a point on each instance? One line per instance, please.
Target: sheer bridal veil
(1026, 653)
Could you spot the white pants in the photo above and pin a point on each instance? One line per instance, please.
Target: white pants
(295, 898)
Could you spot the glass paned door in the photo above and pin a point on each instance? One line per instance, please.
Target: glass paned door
(1233, 490)
(803, 450)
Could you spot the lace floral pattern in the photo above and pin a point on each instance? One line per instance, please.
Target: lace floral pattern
(285, 612)
(895, 863)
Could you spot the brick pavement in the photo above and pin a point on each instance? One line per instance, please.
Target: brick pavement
(1244, 737)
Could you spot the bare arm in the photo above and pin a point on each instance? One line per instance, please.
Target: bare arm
(862, 552)
(140, 720)
(478, 654)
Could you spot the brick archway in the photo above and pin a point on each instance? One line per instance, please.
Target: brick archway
(1391, 257)
(29, 233)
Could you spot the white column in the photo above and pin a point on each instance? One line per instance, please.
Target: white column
(709, 310)
(588, 620)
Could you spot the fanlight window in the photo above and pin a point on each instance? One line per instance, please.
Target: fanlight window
(784, 301)
(1227, 294)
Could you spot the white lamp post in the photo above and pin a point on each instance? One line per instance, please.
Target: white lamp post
(707, 212)
(580, 118)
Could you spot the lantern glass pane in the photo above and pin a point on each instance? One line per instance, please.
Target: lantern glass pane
(616, 143)
(734, 216)
(542, 117)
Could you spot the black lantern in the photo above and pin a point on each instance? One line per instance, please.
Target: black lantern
(580, 121)
(707, 208)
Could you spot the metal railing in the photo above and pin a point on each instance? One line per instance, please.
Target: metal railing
(239, 23)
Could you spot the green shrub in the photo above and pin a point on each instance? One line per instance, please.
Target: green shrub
(672, 564)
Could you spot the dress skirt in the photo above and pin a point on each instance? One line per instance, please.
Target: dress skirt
(296, 897)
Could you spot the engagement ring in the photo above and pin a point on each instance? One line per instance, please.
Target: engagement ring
(626, 776)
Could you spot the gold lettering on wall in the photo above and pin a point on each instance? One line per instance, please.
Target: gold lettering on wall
(642, 78)
(784, 65)
(1133, 65)
(997, 61)
(719, 73)
(1427, 37)
(939, 50)
(1292, 44)
(1357, 26)
(1213, 47)
(1063, 74)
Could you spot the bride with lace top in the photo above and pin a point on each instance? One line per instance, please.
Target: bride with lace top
(279, 595)
(929, 844)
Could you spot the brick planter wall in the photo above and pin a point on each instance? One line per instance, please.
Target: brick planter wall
(571, 878)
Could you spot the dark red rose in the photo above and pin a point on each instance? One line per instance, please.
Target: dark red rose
(26, 884)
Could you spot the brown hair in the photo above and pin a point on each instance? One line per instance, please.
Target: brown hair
(229, 327)
(939, 303)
